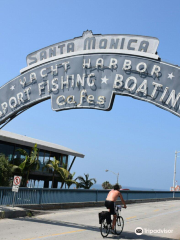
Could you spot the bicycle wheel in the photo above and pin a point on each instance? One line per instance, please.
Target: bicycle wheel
(104, 228)
(119, 225)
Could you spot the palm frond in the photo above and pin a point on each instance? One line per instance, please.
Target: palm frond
(68, 181)
(22, 152)
(64, 165)
(63, 172)
(15, 168)
(86, 176)
(23, 164)
(80, 178)
(85, 183)
(93, 179)
(49, 166)
(34, 152)
(37, 165)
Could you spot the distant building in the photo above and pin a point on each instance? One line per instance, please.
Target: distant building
(10, 142)
(177, 188)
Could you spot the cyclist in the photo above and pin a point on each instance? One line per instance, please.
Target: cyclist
(110, 202)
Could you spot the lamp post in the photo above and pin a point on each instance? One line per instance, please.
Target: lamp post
(117, 174)
(174, 179)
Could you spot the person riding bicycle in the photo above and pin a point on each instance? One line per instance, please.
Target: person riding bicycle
(110, 202)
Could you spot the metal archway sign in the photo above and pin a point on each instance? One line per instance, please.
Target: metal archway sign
(88, 71)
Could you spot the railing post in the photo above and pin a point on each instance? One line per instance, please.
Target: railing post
(96, 195)
(40, 195)
(1, 196)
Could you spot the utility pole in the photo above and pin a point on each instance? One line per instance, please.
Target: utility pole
(117, 174)
(174, 179)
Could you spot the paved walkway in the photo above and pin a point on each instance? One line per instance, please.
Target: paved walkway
(83, 223)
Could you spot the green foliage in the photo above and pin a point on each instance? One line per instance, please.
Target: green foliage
(29, 214)
(85, 183)
(63, 175)
(64, 165)
(59, 172)
(2, 215)
(108, 185)
(69, 181)
(5, 171)
(29, 164)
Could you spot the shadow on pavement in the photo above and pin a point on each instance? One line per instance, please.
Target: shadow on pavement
(124, 235)
(130, 235)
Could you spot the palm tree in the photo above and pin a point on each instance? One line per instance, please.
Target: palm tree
(54, 165)
(85, 183)
(5, 171)
(29, 164)
(69, 181)
(107, 185)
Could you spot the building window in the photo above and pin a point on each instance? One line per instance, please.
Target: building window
(60, 160)
(41, 160)
(46, 157)
(15, 157)
(7, 150)
(64, 161)
(54, 155)
(18, 158)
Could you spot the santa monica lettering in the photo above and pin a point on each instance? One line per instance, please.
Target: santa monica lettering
(99, 42)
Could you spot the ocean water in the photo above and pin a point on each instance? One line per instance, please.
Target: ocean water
(98, 187)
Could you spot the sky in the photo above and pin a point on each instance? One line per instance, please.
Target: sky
(135, 139)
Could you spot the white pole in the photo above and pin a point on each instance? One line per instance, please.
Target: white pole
(117, 174)
(174, 173)
(13, 199)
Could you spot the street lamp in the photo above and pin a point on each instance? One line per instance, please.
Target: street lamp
(175, 171)
(117, 174)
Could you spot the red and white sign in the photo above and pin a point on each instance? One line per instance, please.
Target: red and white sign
(17, 180)
(16, 183)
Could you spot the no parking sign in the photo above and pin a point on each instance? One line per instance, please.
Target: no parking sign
(16, 183)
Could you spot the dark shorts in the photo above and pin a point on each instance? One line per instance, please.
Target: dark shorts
(110, 205)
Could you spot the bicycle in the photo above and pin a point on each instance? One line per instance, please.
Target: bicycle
(106, 228)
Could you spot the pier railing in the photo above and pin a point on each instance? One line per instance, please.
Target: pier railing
(47, 196)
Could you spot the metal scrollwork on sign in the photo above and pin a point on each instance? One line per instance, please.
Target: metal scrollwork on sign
(87, 72)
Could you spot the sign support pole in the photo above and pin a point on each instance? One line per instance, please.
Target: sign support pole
(15, 188)
(13, 199)
(174, 179)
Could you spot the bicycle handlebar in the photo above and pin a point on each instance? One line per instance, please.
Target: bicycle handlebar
(119, 206)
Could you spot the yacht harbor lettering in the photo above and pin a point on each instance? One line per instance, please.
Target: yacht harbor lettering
(85, 89)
